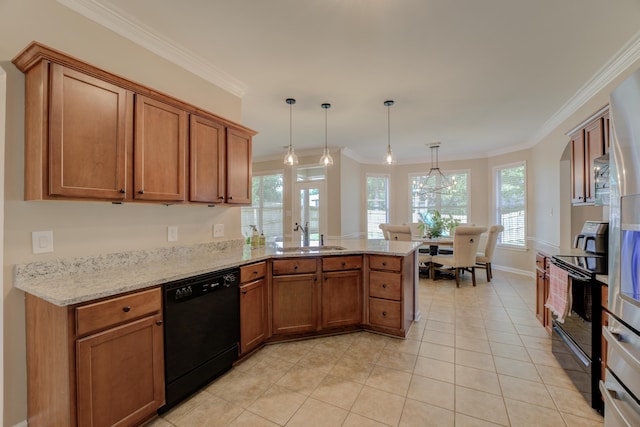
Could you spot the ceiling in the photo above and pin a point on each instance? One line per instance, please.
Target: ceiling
(481, 77)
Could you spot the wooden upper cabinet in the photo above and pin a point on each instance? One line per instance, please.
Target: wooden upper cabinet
(207, 160)
(577, 167)
(159, 151)
(594, 142)
(238, 166)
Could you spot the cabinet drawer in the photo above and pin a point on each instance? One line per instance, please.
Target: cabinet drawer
(253, 271)
(385, 285)
(339, 263)
(384, 313)
(294, 266)
(103, 314)
(382, 262)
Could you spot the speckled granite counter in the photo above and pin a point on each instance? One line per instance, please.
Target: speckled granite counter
(70, 281)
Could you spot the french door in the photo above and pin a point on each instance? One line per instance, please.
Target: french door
(309, 206)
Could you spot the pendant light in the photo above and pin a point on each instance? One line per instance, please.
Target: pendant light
(326, 159)
(290, 158)
(436, 182)
(389, 156)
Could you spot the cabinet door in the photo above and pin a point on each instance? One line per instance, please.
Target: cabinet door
(577, 168)
(342, 298)
(295, 303)
(253, 314)
(159, 147)
(238, 167)
(594, 148)
(120, 374)
(540, 297)
(90, 129)
(207, 155)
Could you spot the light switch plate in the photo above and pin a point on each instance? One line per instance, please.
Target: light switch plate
(172, 234)
(218, 230)
(41, 242)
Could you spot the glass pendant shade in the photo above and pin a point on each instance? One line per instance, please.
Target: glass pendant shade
(388, 158)
(290, 158)
(326, 159)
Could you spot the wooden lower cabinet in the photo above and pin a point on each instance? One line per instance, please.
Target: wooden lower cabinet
(254, 303)
(95, 364)
(295, 303)
(341, 299)
(542, 291)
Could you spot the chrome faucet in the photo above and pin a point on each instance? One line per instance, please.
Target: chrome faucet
(305, 233)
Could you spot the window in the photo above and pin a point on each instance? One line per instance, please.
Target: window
(377, 204)
(266, 210)
(511, 192)
(453, 201)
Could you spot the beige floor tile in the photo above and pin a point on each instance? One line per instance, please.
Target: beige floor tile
(379, 405)
(474, 359)
(504, 337)
(211, 412)
(239, 388)
(542, 357)
(510, 351)
(436, 369)
(158, 422)
(504, 326)
(394, 360)
(442, 338)
(481, 405)
(352, 368)
(558, 377)
(404, 346)
(575, 421)
(319, 360)
(477, 379)
(389, 380)
(436, 325)
(527, 391)
(337, 391)
(528, 415)
(433, 392)
(314, 413)
(187, 406)
(301, 379)
(248, 419)
(437, 351)
(290, 351)
(516, 368)
(415, 334)
(355, 420)
(278, 404)
(419, 414)
(573, 402)
(473, 344)
(538, 343)
(463, 420)
(270, 368)
(472, 331)
(532, 331)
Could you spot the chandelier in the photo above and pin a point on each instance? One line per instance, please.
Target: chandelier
(435, 182)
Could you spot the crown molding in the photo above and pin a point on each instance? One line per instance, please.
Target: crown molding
(110, 17)
(622, 60)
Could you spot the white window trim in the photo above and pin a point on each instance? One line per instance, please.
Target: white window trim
(524, 246)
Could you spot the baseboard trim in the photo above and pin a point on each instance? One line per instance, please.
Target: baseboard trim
(513, 270)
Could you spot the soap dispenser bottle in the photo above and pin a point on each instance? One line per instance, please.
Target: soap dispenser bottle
(255, 239)
(263, 240)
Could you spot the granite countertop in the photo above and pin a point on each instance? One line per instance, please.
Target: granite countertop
(71, 281)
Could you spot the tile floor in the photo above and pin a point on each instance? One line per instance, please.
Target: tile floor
(478, 357)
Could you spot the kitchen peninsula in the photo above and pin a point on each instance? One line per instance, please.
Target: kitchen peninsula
(82, 312)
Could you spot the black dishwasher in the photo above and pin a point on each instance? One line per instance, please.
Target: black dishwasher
(201, 331)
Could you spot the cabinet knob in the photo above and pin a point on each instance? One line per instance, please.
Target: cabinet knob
(344, 263)
(244, 292)
(141, 192)
(122, 190)
(158, 322)
(384, 263)
(230, 197)
(126, 309)
(384, 286)
(295, 267)
(255, 273)
(221, 197)
(384, 314)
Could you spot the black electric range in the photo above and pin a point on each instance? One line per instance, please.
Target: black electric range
(587, 264)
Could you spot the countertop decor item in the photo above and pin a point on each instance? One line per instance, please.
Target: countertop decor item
(433, 224)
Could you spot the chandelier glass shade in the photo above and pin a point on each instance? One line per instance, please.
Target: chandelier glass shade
(326, 159)
(388, 158)
(290, 158)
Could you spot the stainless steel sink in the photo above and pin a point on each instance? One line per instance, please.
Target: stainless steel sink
(311, 248)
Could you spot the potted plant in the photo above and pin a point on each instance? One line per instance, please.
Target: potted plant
(433, 224)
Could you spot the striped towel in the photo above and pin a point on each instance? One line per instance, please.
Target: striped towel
(559, 300)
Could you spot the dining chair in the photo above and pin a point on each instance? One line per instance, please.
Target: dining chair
(465, 247)
(483, 260)
(396, 232)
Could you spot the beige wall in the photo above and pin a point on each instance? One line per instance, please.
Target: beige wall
(81, 228)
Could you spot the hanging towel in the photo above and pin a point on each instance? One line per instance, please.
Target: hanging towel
(559, 300)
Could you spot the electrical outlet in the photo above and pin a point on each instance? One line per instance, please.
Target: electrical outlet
(41, 242)
(218, 230)
(172, 234)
